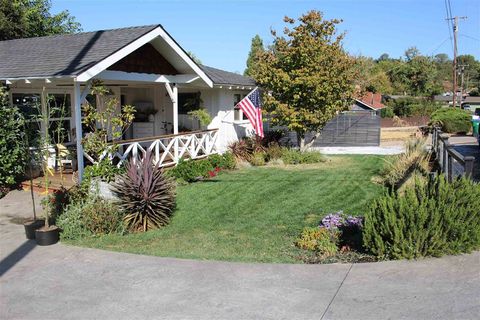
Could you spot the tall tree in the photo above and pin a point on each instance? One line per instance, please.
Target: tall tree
(256, 49)
(307, 75)
(32, 18)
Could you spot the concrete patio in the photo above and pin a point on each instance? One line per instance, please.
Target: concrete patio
(63, 282)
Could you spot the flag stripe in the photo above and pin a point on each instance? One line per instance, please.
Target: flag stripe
(248, 109)
(248, 113)
(251, 106)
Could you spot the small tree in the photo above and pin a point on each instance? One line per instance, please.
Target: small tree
(105, 122)
(307, 75)
(256, 49)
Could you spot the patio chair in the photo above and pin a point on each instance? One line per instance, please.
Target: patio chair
(65, 157)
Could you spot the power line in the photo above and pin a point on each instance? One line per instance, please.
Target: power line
(470, 37)
(438, 47)
(448, 10)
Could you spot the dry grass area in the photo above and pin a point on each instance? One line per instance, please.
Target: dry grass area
(401, 133)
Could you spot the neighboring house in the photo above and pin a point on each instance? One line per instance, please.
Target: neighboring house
(473, 102)
(368, 102)
(142, 66)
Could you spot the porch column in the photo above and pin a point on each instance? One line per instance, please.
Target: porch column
(77, 102)
(175, 109)
(173, 93)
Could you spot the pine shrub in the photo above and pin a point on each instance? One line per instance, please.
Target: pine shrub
(428, 219)
(452, 120)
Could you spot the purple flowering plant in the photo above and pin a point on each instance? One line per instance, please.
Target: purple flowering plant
(336, 220)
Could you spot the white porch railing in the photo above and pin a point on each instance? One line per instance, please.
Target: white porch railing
(167, 150)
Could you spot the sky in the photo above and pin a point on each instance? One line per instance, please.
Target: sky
(219, 33)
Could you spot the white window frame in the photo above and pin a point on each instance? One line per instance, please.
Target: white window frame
(38, 91)
(239, 111)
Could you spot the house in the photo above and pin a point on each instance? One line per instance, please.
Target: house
(142, 66)
(368, 102)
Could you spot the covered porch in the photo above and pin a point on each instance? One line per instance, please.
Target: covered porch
(146, 72)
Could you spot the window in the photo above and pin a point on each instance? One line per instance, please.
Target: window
(188, 102)
(238, 114)
(60, 115)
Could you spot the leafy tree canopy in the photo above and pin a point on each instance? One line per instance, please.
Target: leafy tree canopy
(32, 18)
(307, 75)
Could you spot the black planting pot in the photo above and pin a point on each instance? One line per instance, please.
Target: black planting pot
(31, 227)
(48, 237)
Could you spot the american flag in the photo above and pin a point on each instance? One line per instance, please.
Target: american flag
(252, 108)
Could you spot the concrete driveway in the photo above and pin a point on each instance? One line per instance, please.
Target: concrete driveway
(62, 282)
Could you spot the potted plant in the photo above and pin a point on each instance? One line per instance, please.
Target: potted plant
(47, 234)
(31, 224)
(202, 116)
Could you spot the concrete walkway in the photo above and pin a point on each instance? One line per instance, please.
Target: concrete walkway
(62, 282)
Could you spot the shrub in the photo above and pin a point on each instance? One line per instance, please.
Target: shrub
(92, 215)
(409, 106)
(13, 151)
(245, 148)
(321, 240)
(56, 203)
(146, 195)
(452, 120)
(191, 170)
(274, 151)
(294, 156)
(429, 219)
(348, 227)
(194, 170)
(223, 161)
(258, 159)
(104, 170)
(273, 136)
(387, 112)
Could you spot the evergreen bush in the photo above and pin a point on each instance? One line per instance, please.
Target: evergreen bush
(452, 120)
(428, 219)
(13, 151)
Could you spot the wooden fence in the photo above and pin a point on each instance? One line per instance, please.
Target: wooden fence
(451, 162)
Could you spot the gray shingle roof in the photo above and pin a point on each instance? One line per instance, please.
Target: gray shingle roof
(227, 78)
(63, 55)
(71, 54)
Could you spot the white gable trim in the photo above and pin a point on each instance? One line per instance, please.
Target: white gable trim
(125, 51)
(145, 77)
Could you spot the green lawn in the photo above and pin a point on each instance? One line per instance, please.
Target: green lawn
(254, 214)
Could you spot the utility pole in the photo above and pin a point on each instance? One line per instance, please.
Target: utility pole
(455, 32)
(462, 86)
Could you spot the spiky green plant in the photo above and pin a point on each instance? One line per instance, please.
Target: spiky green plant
(146, 195)
(429, 219)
